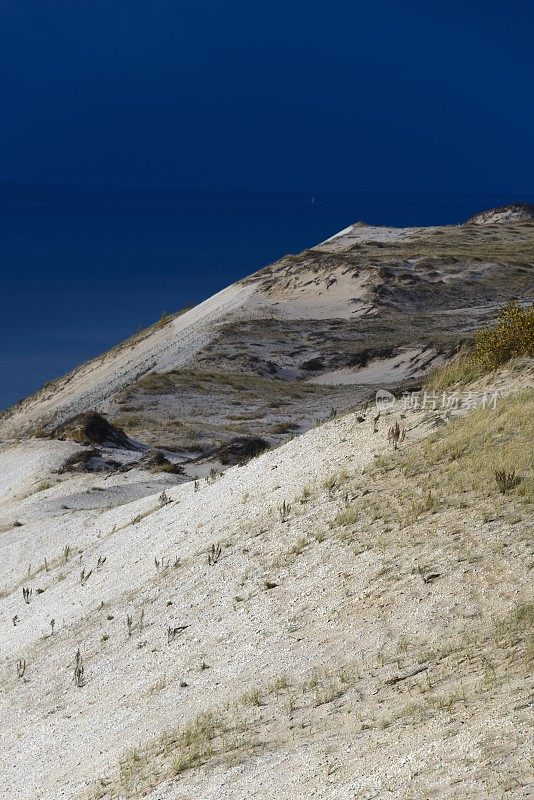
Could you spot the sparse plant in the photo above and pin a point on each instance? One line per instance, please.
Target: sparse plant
(290, 704)
(396, 435)
(327, 692)
(214, 554)
(447, 703)
(428, 503)
(331, 485)
(214, 474)
(66, 553)
(252, 698)
(284, 511)
(131, 625)
(299, 546)
(27, 594)
(164, 498)
(194, 746)
(506, 480)
(279, 685)
(79, 679)
(306, 495)
(348, 516)
(164, 320)
(101, 561)
(334, 482)
(84, 576)
(21, 667)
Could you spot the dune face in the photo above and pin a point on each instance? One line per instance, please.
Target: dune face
(312, 332)
(188, 611)
(517, 212)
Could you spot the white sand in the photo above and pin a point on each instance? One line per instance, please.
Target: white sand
(333, 605)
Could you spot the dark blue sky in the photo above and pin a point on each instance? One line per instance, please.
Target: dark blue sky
(381, 95)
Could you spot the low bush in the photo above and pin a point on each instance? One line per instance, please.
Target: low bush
(511, 337)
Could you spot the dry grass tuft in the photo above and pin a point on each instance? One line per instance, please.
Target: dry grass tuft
(194, 745)
(349, 516)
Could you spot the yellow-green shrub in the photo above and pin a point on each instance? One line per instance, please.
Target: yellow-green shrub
(512, 336)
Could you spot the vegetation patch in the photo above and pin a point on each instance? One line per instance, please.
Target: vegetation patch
(241, 450)
(89, 428)
(155, 461)
(467, 454)
(517, 630)
(511, 337)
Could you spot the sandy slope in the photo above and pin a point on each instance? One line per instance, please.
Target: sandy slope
(338, 611)
(91, 385)
(311, 624)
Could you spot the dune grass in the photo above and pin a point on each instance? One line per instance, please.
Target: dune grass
(456, 373)
(465, 455)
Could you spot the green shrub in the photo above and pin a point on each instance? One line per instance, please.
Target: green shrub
(512, 336)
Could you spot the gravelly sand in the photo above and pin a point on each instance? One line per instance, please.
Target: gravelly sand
(333, 608)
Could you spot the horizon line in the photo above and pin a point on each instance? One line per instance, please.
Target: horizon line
(33, 184)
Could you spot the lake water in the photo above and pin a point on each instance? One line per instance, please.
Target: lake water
(79, 274)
